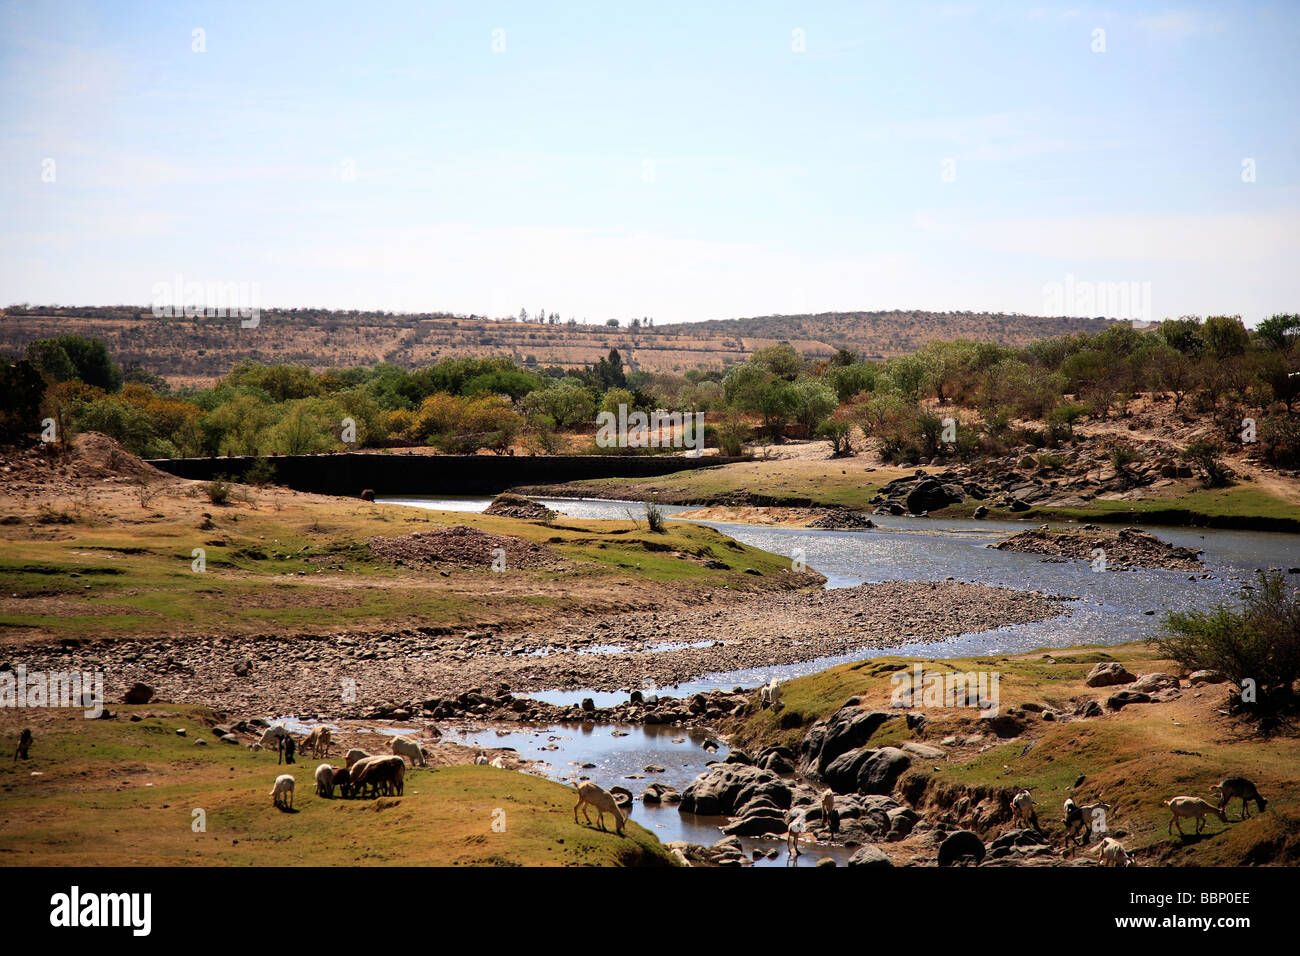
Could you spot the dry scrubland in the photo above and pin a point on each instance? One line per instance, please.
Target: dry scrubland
(197, 351)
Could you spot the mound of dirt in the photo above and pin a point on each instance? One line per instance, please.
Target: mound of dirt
(98, 456)
(1123, 548)
(507, 505)
(462, 547)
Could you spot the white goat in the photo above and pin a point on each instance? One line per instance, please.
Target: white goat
(1022, 809)
(1181, 807)
(408, 748)
(272, 737)
(589, 794)
(353, 756)
(325, 780)
(1110, 852)
(282, 794)
(769, 695)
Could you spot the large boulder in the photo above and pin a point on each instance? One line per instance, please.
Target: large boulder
(1109, 673)
(1123, 698)
(931, 495)
(138, 694)
(867, 770)
(726, 787)
(962, 845)
(869, 855)
(847, 729)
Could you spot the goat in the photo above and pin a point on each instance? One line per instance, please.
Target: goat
(325, 780)
(318, 741)
(1230, 787)
(406, 747)
(272, 737)
(343, 781)
(481, 758)
(24, 744)
(381, 774)
(353, 756)
(603, 801)
(283, 788)
(286, 748)
(830, 816)
(794, 830)
(1181, 807)
(1022, 809)
(1092, 818)
(498, 761)
(769, 695)
(1110, 852)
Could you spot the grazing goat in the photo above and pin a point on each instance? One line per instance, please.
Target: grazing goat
(318, 742)
(1022, 809)
(24, 744)
(1191, 807)
(342, 781)
(1233, 787)
(769, 695)
(282, 795)
(794, 830)
(603, 801)
(406, 747)
(383, 775)
(1110, 852)
(272, 737)
(325, 780)
(353, 756)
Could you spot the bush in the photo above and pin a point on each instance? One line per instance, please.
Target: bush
(1259, 643)
(837, 433)
(219, 490)
(1121, 456)
(1204, 455)
(654, 516)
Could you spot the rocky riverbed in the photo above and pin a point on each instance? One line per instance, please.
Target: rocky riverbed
(340, 676)
(1127, 547)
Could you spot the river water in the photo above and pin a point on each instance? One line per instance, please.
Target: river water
(1104, 608)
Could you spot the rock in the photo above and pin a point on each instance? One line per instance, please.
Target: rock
(1004, 725)
(847, 729)
(881, 771)
(930, 495)
(658, 793)
(1153, 683)
(729, 786)
(622, 796)
(180, 731)
(924, 751)
(959, 845)
(869, 855)
(1126, 697)
(588, 705)
(981, 512)
(738, 756)
(1205, 677)
(1108, 673)
(1088, 708)
(826, 861)
(1018, 504)
(138, 694)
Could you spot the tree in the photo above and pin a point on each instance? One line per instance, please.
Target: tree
(1225, 336)
(813, 403)
(1278, 331)
(22, 389)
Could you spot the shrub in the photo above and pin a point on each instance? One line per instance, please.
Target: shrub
(219, 490)
(838, 434)
(654, 516)
(1204, 455)
(1259, 643)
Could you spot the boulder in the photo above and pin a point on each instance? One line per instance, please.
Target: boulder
(728, 786)
(1205, 677)
(869, 855)
(138, 693)
(961, 845)
(847, 729)
(1125, 697)
(1108, 673)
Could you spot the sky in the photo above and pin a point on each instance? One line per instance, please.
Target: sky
(665, 160)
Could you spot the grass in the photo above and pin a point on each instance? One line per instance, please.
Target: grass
(123, 793)
(1134, 759)
(306, 566)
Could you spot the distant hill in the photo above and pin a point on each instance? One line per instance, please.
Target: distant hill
(198, 350)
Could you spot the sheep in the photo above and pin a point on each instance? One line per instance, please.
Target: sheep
(1230, 787)
(480, 759)
(1022, 809)
(342, 781)
(498, 761)
(589, 793)
(353, 756)
(1181, 807)
(272, 737)
(325, 780)
(318, 742)
(406, 747)
(1110, 852)
(282, 795)
(24, 744)
(380, 774)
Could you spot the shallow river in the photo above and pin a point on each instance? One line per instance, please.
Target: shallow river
(1105, 608)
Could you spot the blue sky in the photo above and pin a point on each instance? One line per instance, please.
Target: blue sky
(666, 160)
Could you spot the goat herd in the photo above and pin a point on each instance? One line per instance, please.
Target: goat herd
(1080, 822)
(362, 774)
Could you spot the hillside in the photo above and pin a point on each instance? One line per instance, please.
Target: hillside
(196, 351)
